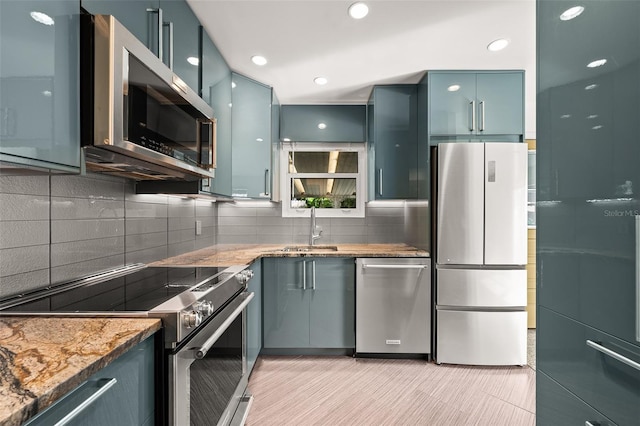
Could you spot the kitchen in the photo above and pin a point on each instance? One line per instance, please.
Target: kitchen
(60, 227)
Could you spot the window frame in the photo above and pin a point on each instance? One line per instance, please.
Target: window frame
(286, 178)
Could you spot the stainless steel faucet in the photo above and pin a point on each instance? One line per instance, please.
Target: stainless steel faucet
(315, 231)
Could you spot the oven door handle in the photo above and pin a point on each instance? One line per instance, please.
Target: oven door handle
(202, 351)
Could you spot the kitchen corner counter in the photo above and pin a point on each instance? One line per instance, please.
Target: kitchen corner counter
(242, 254)
(44, 358)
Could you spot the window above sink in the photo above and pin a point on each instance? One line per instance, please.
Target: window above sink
(329, 178)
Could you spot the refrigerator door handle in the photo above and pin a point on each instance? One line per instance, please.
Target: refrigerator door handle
(637, 278)
(491, 171)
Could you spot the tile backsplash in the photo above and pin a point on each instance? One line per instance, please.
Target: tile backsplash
(58, 228)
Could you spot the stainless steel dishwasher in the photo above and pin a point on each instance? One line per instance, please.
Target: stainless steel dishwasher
(393, 306)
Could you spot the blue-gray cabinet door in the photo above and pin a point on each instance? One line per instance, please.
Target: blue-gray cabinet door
(323, 123)
(141, 17)
(180, 40)
(286, 303)
(216, 91)
(452, 98)
(251, 138)
(39, 83)
(500, 103)
(332, 304)
(396, 142)
(254, 315)
(128, 398)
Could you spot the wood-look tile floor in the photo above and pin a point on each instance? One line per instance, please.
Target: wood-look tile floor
(347, 391)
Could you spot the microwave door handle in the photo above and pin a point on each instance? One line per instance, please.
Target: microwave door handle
(212, 123)
(213, 143)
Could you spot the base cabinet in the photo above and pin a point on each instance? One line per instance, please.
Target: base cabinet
(309, 303)
(122, 393)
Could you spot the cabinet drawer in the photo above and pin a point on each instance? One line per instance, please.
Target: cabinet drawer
(557, 406)
(482, 338)
(602, 381)
(482, 287)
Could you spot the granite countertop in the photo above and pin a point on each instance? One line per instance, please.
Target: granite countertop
(243, 254)
(44, 358)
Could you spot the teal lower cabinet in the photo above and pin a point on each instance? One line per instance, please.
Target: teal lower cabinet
(254, 315)
(122, 394)
(309, 305)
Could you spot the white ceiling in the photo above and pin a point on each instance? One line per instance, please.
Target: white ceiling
(395, 43)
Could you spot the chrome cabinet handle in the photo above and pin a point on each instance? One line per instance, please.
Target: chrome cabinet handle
(614, 355)
(202, 351)
(158, 12)
(304, 274)
(638, 278)
(481, 116)
(266, 182)
(472, 110)
(313, 274)
(169, 25)
(395, 266)
(380, 183)
(213, 130)
(108, 384)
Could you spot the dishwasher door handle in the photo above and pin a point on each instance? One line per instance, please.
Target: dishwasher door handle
(365, 266)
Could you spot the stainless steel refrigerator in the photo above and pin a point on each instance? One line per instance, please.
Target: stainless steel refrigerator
(481, 253)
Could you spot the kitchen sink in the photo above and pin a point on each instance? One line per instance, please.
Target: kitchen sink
(309, 248)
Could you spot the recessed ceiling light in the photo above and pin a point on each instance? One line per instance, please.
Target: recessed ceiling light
(596, 63)
(233, 84)
(571, 13)
(565, 116)
(47, 93)
(286, 140)
(358, 10)
(320, 81)
(322, 126)
(259, 60)
(598, 127)
(592, 116)
(453, 88)
(259, 140)
(193, 61)
(42, 18)
(590, 87)
(498, 44)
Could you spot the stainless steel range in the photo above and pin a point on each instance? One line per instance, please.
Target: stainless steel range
(203, 311)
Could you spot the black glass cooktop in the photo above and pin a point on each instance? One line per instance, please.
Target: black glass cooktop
(137, 291)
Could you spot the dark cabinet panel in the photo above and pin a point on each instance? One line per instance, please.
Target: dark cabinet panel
(254, 315)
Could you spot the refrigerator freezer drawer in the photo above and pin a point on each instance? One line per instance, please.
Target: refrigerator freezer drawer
(393, 306)
(481, 338)
(482, 287)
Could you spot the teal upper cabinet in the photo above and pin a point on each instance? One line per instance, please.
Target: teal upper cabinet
(167, 27)
(251, 138)
(39, 84)
(181, 33)
(216, 91)
(323, 123)
(393, 142)
(476, 103)
(309, 303)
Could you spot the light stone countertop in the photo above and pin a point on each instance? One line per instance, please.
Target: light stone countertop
(44, 358)
(244, 254)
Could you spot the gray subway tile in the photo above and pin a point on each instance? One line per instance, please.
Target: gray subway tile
(139, 242)
(147, 255)
(80, 251)
(145, 210)
(180, 248)
(275, 239)
(77, 270)
(145, 225)
(237, 239)
(348, 230)
(87, 187)
(23, 259)
(208, 237)
(131, 196)
(237, 221)
(274, 209)
(180, 236)
(349, 239)
(206, 209)
(181, 208)
(83, 208)
(26, 185)
(226, 209)
(24, 282)
(276, 230)
(355, 221)
(274, 221)
(78, 230)
(23, 233)
(206, 221)
(176, 223)
(237, 230)
(24, 207)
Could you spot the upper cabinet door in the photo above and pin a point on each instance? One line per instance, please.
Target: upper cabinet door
(142, 17)
(452, 102)
(216, 91)
(180, 40)
(323, 123)
(500, 102)
(39, 89)
(251, 138)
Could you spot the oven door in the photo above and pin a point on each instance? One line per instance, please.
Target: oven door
(208, 376)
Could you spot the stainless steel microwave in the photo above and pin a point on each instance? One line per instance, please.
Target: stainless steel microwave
(139, 119)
